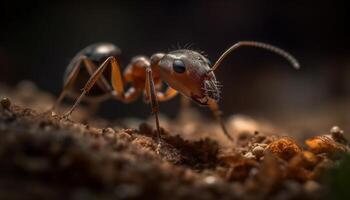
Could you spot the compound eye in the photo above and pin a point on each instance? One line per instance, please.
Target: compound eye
(179, 66)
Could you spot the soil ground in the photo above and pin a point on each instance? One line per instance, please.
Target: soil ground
(44, 156)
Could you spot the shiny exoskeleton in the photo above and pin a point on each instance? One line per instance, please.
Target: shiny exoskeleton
(184, 71)
(83, 65)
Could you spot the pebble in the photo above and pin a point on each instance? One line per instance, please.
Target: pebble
(258, 151)
(249, 155)
(5, 103)
(336, 130)
(338, 135)
(210, 180)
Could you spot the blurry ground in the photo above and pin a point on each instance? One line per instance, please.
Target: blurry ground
(43, 156)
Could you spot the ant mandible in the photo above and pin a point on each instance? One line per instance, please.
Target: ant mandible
(185, 71)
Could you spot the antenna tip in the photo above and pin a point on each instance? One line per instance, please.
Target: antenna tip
(296, 65)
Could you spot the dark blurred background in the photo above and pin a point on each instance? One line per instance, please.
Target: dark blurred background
(38, 39)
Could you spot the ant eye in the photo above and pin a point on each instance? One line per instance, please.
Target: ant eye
(179, 66)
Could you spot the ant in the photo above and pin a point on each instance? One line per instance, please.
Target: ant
(184, 71)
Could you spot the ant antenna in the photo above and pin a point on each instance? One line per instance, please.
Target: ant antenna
(265, 46)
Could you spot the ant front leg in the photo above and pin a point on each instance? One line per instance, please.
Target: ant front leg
(153, 97)
(213, 105)
(168, 94)
(156, 96)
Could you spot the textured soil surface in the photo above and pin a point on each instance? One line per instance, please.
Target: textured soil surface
(44, 156)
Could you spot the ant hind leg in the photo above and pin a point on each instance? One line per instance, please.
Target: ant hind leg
(83, 62)
(68, 82)
(96, 76)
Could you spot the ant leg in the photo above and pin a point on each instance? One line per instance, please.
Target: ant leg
(118, 86)
(90, 67)
(168, 94)
(217, 113)
(102, 82)
(69, 81)
(110, 61)
(151, 94)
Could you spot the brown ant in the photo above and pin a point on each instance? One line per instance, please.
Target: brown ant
(185, 71)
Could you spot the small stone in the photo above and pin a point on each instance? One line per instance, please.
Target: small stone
(258, 151)
(210, 180)
(53, 114)
(249, 155)
(5, 103)
(109, 133)
(338, 135)
(336, 129)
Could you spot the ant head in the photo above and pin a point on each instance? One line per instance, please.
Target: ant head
(189, 73)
